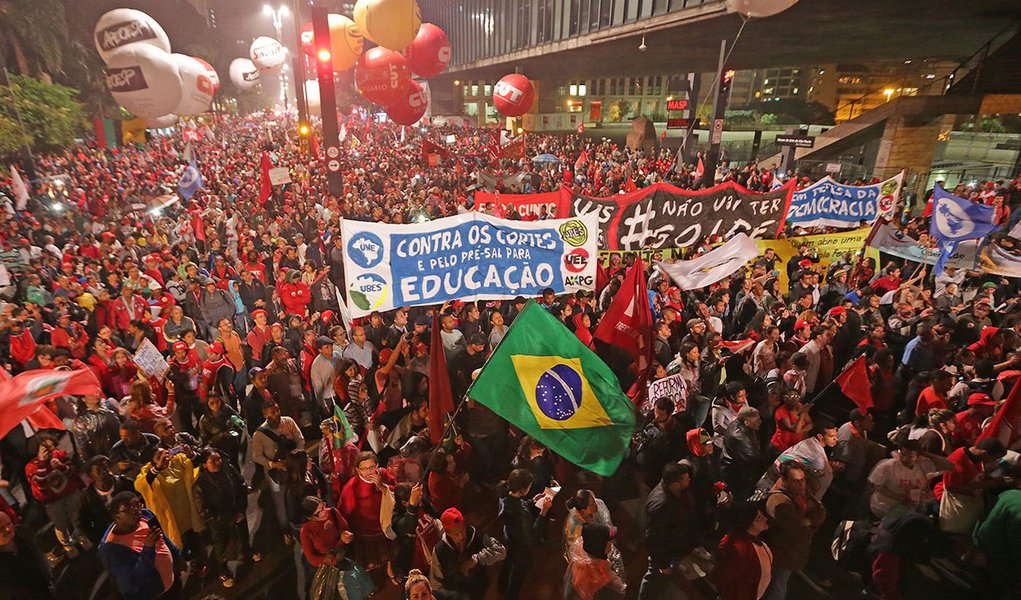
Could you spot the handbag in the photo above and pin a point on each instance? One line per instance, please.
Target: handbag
(325, 583)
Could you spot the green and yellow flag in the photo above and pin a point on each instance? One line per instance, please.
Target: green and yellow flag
(547, 383)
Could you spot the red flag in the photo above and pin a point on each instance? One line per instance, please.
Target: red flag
(1003, 426)
(627, 324)
(21, 396)
(854, 382)
(198, 225)
(191, 135)
(314, 148)
(737, 346)
(601, 277)
(441, 400)
(266, 187)
(629, 185)
(43, 417)
(700, 168)
(582, 159)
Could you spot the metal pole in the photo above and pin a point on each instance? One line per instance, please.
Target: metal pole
(327, 101)
(298, 65)
(716, 126)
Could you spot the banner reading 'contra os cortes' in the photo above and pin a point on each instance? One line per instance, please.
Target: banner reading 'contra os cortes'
(468, 257)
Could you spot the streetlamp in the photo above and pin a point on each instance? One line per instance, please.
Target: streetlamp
(278, 16)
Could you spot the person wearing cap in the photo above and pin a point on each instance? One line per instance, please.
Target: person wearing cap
(218, 375)
(969, 421)
(460, 559)
(962, 488)
(322, 375)
(259, 335)
(294, 294)
(69, 334)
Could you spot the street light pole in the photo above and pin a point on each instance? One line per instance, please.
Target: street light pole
(278, 15)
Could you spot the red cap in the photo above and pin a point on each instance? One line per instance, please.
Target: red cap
(216, 347)
(276, 326)
(178, 346)
(153, 257)
(673, 289)
(801, 324)
(452, 519)
(384, 355)
(258, 312)
(837, 310)
(805, 263)
(980, 399)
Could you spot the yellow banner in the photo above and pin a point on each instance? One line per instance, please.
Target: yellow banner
(830, 246)
(133, 131)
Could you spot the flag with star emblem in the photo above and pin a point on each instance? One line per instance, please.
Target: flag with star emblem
(546, 382)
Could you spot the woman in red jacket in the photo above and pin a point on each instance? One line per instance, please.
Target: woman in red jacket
(295, 295)
(744, 563)
(325, 535)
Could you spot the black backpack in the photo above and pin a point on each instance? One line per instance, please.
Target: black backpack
(850, 545)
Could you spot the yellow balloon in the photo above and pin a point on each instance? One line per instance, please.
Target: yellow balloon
(345, 42)
(392, 24)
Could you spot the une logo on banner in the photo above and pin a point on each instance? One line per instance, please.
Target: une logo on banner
(365, 249)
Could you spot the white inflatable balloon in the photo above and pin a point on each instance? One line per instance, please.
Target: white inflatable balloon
(244, 74)
(125, 26)
(161, 122)
(198, 88)
(144, 80)
(312, 96)
(268, 54)
(759, 8)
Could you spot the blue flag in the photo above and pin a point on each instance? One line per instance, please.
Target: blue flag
(190, 182)
(955, 220)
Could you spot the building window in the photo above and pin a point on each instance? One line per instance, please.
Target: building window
(573, 90)
(582, 89)
(475, 90)
(488, 90)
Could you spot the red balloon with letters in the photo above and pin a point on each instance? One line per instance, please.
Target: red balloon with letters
(513, 95)
(382, 76)
(409, 109)
(429, 54)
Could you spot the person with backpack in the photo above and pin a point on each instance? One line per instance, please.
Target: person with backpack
(272, 441)
(794, 516)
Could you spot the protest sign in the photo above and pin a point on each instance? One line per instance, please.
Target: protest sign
(890, 240)
(526, 205)
(831, 248)
(832, 204)
(468, 257)
(279, 176)
(664, 216)
(150, 361)
(672, 387)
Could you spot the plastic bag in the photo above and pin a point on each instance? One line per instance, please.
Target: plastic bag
(325, 583)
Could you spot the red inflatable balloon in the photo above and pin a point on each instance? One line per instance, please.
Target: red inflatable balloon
(382, 76)
(409, 109)
(513, 95)
(429, 54)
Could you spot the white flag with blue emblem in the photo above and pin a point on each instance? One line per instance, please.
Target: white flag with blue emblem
(955, 220)
(190, 182)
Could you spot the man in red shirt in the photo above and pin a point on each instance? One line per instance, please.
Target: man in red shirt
(960, 491)
(127, 308)
(969, 422)
(935, 395)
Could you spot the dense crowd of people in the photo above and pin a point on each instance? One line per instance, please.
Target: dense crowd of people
(269, 390)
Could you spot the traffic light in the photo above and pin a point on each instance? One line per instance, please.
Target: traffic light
(726, 77)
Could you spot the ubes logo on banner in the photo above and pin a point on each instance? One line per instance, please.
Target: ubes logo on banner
(122, 34)
(574, 232)
(125, 79)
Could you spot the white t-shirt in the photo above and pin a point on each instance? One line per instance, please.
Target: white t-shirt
(892, 477)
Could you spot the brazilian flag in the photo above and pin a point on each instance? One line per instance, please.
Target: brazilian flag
(547, 383)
